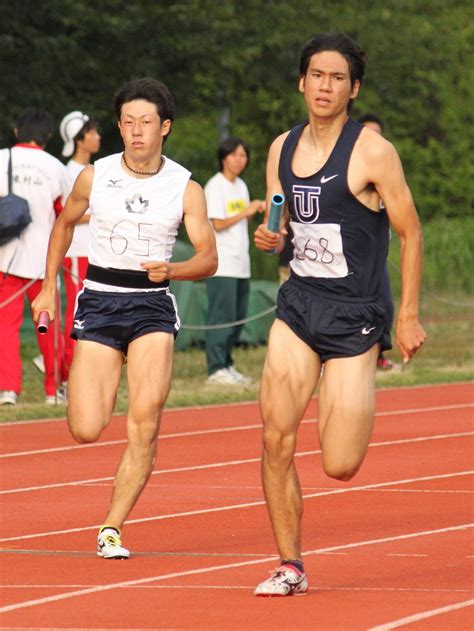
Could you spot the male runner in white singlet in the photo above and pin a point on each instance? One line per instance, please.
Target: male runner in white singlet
(333, 172)
(137, 200)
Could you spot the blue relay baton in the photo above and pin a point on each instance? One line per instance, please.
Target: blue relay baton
(274, 218)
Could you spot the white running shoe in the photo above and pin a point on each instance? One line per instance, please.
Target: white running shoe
(60, 398)
(8, 397)
(286, 580)
(240, 378)
(109, 544)
(38, 362)
(222, 377)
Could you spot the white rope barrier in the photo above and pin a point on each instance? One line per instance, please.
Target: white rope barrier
(225, 325)
(257, 316)
(445, 301)
(23, 290)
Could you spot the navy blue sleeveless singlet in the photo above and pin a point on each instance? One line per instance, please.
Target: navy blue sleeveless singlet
(340, 245)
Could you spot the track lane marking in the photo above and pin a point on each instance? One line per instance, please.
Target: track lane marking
(401, 622)
(216, 568)
(228, 463)
(218, 509)
(235, 428)
(251, 587)
(453, 387)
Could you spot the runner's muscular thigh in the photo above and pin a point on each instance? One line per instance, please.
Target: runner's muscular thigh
(347, 408)
(92, 386)
(149, 369)
(290, 376)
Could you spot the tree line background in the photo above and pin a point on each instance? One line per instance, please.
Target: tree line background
(233, 68)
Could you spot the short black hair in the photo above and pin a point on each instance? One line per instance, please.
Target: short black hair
(88, 126)
(150, 90)
(341, 43)
(371, 118)
(34, 124)
(229, 145)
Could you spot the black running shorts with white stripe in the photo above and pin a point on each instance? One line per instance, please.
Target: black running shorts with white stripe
(331, 325)
(115, 319)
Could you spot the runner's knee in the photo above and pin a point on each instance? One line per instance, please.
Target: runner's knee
(143, 427)
(279, 446)
(84, 433)
(343, 470)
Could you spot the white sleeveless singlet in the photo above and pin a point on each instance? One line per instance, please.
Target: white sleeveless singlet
(133, 220)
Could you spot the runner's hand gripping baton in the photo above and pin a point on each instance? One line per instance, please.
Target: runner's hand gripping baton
(43, 323)
(274, 218)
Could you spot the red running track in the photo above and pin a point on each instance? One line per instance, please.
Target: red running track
(391, 549)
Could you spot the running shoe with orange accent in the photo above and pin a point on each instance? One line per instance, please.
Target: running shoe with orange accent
(109, 544)
(286, 580)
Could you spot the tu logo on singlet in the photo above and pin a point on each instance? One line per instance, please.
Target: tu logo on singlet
(306, 202)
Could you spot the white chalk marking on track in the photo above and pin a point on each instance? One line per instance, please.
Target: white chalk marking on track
(218, 509)
(407, 555)
(401, 622)
(251, 587)
(187, 408)
(311, 589)
(228, 463)
(235, 428)
(216, 568)
(448, 491)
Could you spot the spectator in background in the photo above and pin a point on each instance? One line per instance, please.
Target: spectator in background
(374, 122)
(43, 181)
(81, 141)
(229, 208)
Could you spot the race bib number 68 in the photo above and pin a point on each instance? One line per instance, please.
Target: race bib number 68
(318, 250)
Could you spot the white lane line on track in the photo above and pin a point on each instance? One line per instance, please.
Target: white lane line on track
(327, 588)
(218, 509)
(406, 555)
(216, 568)
(401, 622)
(228, 463)
(235, 428)
(448, 491)
(188, 408)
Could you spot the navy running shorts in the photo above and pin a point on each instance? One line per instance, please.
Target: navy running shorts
(332, 326)
(116, 319)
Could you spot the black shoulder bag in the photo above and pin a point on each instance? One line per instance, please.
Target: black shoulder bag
(14, 211)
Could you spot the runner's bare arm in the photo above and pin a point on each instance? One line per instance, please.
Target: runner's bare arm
(201, 235)
(60, 240)
(264, 239)
(391, 185)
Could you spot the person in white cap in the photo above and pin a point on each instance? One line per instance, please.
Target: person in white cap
(81, 141)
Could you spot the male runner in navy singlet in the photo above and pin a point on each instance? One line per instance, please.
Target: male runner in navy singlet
(137, 200)
(333, 172)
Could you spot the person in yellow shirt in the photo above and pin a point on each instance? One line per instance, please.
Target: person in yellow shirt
(229, 208)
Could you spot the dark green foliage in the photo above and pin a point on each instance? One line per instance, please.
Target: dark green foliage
(448, 260)
(242, 57)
